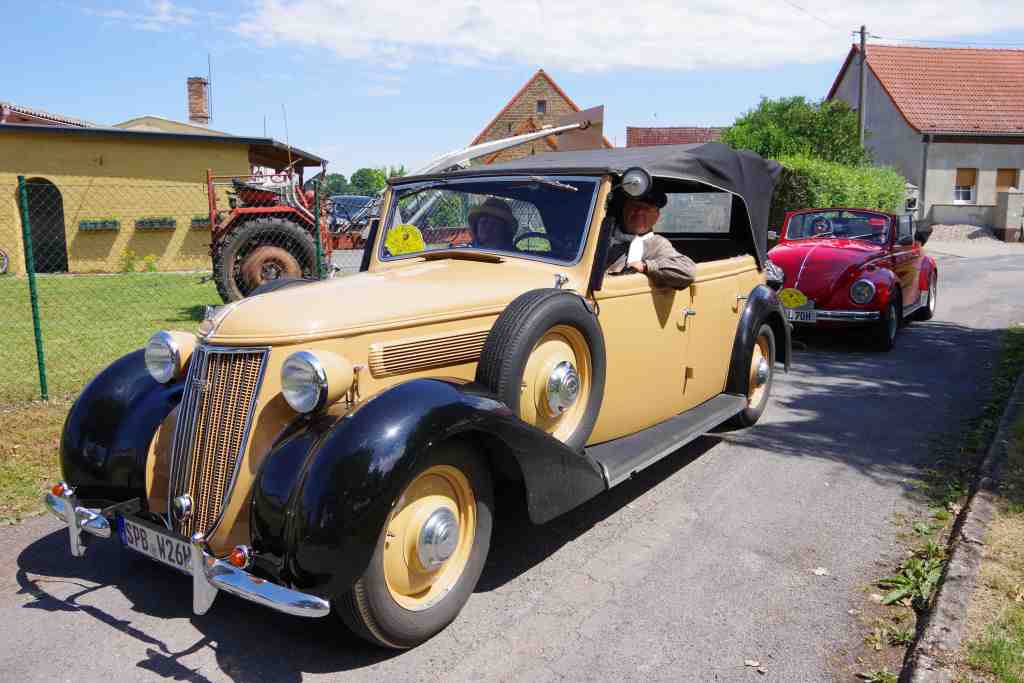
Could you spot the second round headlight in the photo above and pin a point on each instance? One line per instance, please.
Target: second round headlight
(310, 381)
(862, 291)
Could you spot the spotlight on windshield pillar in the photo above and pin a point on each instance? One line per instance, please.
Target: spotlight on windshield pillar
(636, 182)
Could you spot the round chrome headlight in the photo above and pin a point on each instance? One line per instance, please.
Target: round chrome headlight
(304, 382)
(862, 291)
(166, 354)
(636, 182)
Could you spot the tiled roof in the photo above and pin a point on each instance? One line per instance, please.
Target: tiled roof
(45, 115)
(678, 135)
(950, 90)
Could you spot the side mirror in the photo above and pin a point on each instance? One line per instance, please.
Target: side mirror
(773, 235)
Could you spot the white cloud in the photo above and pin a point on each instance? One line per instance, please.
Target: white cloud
(153, 15)
(605, 34)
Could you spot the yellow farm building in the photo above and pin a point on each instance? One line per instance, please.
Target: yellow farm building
(108, 199)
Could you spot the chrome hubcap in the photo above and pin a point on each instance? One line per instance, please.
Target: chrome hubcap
(762, 373)
(438, 538)
(563, 387)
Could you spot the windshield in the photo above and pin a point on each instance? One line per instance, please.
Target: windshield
(534, 217)
(841, 223)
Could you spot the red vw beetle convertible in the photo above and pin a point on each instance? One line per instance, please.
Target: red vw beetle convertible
(855, 267)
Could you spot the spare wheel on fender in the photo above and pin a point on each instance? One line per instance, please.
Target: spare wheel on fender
(545, 359)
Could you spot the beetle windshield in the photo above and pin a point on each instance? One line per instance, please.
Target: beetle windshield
(844, 224)
(533, 217)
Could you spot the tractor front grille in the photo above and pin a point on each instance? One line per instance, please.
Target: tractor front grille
(212, 432)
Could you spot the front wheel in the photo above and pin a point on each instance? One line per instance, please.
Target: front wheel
(430, 553)
(884, 331)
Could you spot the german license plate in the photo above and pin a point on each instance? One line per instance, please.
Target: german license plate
(802, 315)
(156, 543)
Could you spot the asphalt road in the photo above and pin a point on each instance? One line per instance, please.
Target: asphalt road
(701, 562)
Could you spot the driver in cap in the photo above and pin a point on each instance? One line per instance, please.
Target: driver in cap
(635, 247)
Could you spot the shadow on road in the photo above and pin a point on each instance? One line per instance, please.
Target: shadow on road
(873, 411)
(254, 643)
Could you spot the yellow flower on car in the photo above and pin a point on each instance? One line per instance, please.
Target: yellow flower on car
(404, 239)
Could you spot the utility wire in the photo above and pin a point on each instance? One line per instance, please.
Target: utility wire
(811, 15)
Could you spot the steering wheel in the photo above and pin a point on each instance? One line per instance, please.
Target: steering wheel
(824, 223)
(528, 235)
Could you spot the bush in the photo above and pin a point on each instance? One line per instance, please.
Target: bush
(808, 183)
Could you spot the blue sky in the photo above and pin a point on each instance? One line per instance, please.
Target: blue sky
(370, 83)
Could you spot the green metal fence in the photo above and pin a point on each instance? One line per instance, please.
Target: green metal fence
(92, 270)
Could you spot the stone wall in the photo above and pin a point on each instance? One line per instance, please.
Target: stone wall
(1009, 216)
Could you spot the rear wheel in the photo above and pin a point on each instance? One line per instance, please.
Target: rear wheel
(927, 312)
(760, 374)
(430, 553)
(261, 251)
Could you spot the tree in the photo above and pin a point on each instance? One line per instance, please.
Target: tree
(335, 183)
(793, 126)
(395, 171)
(368, 181)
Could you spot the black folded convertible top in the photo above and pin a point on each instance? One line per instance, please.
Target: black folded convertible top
(740, 172)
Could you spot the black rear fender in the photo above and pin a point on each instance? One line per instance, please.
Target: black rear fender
(763, 306)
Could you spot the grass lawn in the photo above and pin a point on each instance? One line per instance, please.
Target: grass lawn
(996, 614)
(88, 321)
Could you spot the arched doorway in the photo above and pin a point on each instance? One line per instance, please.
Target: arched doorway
(46, 220)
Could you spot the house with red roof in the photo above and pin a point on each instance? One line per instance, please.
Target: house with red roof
(952, 121)
(540, 102)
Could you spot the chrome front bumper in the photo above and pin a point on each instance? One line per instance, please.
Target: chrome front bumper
(856, 316)
(210, 575)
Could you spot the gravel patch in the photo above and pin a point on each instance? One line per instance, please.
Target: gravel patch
(962, 233)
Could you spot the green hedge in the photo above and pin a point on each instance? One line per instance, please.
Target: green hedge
(808, 183)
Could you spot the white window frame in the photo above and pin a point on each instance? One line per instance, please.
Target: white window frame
(957, 189)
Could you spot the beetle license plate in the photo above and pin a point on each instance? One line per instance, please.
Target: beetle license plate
(802, 315)
(155, 543)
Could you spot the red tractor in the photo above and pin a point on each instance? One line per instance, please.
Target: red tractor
(272, 228)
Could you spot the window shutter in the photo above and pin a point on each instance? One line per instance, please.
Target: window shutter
(966, 177)
(1005, 179)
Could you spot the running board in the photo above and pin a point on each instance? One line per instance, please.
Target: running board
(622, 458)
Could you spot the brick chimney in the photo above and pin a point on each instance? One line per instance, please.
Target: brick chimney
(198, 100)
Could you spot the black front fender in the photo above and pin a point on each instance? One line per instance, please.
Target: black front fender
(763, 306)
(109, 428)
(324, 492)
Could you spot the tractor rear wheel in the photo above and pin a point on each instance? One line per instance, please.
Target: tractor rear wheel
(260, 251)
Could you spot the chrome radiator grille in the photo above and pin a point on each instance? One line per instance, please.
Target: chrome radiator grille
(212, 432)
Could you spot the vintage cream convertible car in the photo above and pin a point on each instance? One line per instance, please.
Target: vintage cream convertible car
(334, 446)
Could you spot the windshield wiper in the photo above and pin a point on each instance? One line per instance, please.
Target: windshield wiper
(550, 182)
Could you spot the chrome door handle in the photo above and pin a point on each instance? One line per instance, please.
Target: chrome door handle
(741, 297)
(687, 312)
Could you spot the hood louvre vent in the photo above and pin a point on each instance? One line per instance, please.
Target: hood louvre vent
(413, 355)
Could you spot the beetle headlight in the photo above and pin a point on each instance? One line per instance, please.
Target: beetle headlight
(310, 381)
(167, 353)
(862, 291)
